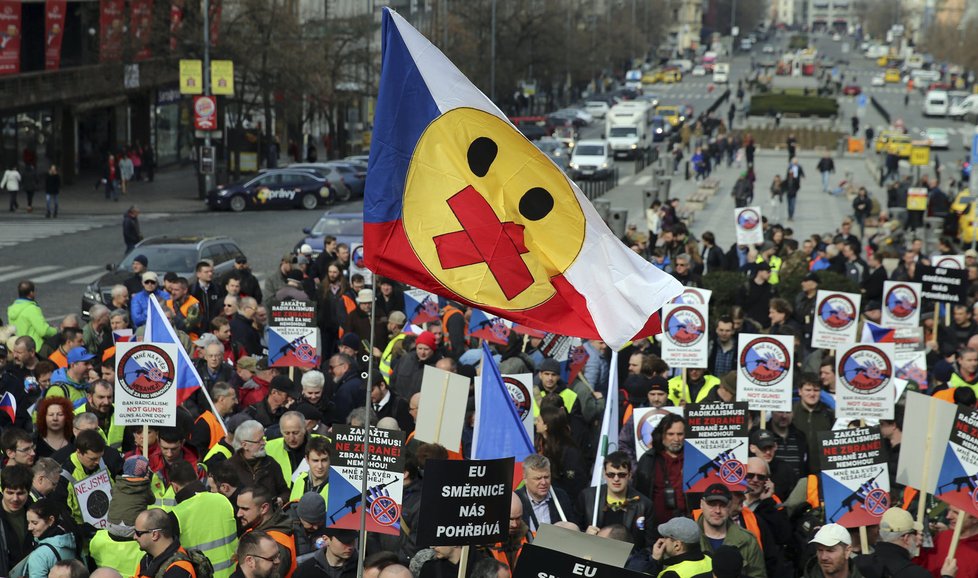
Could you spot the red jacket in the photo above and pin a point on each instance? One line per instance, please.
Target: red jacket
(967, 555)
(248, 397)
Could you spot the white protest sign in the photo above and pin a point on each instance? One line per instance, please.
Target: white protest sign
(947, 261)
(442, 408)
(765, 371)
(358, 265)
(901, 304)
(645, 420)
(684, 335)
(94, 494)
(747, 220)
(836, 319)
(923, 437)
(865, 383)
(145, 383)
(520, 388)
(694, 296)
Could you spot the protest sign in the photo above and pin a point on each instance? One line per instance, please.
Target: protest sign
(901, 304)
(556, 346)
(644, 421)
(465, 503)
(865, 386)
(145, 383)
(94, 494)
(927, 431)
(385, 480)
(855, 478)
(765, 372)
(420, 306)
(359, 265)
(958, 482)
(715, 446)
(909, 354)
(684, 335)
(747, 220)
(490, 327)
(943, 284)
(917, 199)
(441, 412)
(292, 313)
(538, 562)
(836, 319)
(577, 543)
(694, 296)
(293, 347)
(520, 388)
(947, 261)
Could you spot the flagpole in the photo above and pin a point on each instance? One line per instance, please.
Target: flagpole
(362, 551)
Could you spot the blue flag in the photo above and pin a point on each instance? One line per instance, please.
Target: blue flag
(499, 432)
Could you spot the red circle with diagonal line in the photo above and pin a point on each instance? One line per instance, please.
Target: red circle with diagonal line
(385, 511)
(733, 472)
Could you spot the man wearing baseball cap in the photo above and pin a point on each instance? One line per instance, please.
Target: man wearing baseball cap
(833, 548)
(718, 530)
(72, 381)
(899, 542)
(678, 550)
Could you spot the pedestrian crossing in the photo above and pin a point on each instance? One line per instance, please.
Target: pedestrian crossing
(82, 275)
(636, 180)
(15, 230)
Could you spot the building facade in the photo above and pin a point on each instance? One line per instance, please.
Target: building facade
(831, 15)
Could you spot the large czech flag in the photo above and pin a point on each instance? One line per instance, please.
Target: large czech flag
(459, 203)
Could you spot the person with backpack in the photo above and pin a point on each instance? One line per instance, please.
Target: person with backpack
(165, 557)
(53, 542)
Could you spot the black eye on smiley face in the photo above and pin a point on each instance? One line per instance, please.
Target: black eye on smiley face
(535, 204)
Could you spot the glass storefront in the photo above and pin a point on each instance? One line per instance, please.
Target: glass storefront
(172, 131)
(27, 137)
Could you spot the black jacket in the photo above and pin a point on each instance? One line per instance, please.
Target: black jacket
(638, 515)
(889, 560)
(244, 333)
(565, 503)
(317, 567)
(397, 407)
(211, 301)
(130, 229)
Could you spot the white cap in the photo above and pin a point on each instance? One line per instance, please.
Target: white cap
(306, 249)
(832, 535)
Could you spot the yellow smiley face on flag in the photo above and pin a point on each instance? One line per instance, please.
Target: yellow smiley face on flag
(489, 214)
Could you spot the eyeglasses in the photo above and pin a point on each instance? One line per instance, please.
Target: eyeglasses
(760, 477)
(616, 475)
(141, 533)
(274, 559)
(229, 304)
(261, 441)
(149, 282)
(27, 450)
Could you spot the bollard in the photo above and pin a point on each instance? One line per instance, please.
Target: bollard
(617, 221)
(603, 207)
(664, 185)
(649, 195)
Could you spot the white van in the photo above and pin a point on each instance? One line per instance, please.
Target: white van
(962, 104)
(936, 103)
(721, 73)
(592, 159)
(924, 77)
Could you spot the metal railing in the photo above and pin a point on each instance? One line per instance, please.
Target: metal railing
(594, 188)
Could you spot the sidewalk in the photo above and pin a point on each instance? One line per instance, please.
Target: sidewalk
(173, 190)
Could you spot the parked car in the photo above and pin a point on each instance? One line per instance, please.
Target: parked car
(272, 189)
(341, 184)
(346, 227)
(852, 90)
(937, 137)
(164, 254)
(597, 108)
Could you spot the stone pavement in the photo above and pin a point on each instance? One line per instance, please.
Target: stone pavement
(815, 212)
(173, 190)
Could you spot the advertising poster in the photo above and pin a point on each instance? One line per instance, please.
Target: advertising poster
(465, 503)
(54, 31)
(901, 304)
(855, 478)
(716, 446)
(685, 331)
(765, 371)
(10, 34)
(385, 480)
(205, 113)
(865, 386)
(191, 77)
(836, 320)
(747, 220)
(145, 383)
(112, 26)
(141, 29)
(222, 77)
(645, 420)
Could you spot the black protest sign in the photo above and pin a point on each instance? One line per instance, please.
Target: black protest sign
(293, 313)
(943, 284)
(538, 562)
(465, 503)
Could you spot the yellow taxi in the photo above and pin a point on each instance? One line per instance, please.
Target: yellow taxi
(900, 145)
(651, 77)
(882, 61)
(671, 75)
(670, 113)
(879, 145)
(966, 220)
(891, 75)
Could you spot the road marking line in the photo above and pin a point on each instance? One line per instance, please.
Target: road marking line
(63, 274)
(644, 179)
(86, 279)
(26, 273)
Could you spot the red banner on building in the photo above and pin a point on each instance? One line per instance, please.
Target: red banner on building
(141, 27)
(54, 31)
(10, 31)
(215, 21)
(112, 27)
(176, 22)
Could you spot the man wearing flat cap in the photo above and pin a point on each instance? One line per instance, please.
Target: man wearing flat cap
(677, 553)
